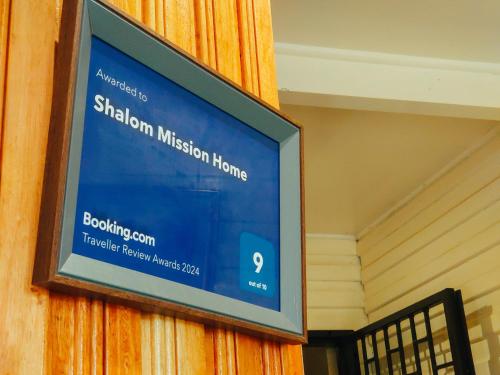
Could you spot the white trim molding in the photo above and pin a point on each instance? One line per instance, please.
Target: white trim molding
(336, 78)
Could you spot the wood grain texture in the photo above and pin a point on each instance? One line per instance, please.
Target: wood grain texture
(265, 52)
(220, 349)
(123, 336)
(209, 351)
(133, 8)
(227, 43)
(180, 24)
(160, 17)
(162, 345)
(97, 337)
(190, 342)
(246, 26)
(248, 355)
(291, 360)
(225, 351)
(61, 350)
(149, 14)
(27, 97)
(77, 335)
(205, 34)
(4, 33)
(272, 358)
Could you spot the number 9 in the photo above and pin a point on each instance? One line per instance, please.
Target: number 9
(258, 259)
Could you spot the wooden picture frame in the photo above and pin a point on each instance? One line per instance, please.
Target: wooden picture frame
(57, 268)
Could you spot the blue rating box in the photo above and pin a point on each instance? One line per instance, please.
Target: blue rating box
(258, 272)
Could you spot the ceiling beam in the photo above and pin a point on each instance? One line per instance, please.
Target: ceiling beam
(326, 77)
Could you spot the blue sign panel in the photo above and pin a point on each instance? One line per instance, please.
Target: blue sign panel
(173, 187)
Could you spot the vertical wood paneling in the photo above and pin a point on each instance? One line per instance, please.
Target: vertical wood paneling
(123, 336)
(4, 32)
(27, 99)
(161, 345)
(149, 14)
(272, 358)
(118, 3)
(75, 336)
(291, 359)
(97, 337)
(248, 355)
(209, 351)
(231, 351)
(170, 346)
(246, 25)
(61, 350)
(220, 349)
(134, 8)
(265, 52)
(225, 351)
(82, 362)
(180, 24)
(227, 44)
(190, 342)
(160, 17)
(86, 336)
(205, 42)
(59, 4)
(146, 343)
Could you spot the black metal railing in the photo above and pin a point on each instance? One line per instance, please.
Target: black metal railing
(380, 348)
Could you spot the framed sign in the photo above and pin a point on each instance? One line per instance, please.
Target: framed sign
(167, 187)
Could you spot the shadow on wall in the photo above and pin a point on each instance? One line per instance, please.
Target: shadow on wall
(483, 319)
(477, 321)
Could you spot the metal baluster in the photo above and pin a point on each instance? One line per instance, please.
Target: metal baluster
(365, 356)
(375, 353)
(401, 348)
(388, 351)
(415, 345)
(430, 341)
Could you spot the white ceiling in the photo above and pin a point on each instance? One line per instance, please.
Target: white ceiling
(358, 164)
(450, 29)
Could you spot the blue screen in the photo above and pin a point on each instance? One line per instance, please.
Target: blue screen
(173, 187)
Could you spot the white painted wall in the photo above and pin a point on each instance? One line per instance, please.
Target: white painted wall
(335, 298)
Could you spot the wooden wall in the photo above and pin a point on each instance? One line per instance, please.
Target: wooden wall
(448, 235)
(43, 332)
(335, 296)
